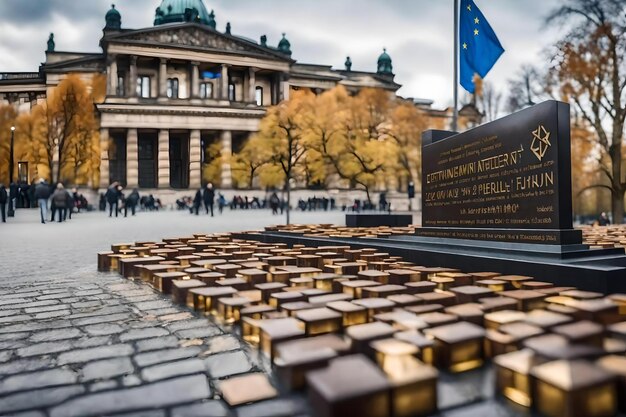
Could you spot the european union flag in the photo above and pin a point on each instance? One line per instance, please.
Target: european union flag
(479, 45)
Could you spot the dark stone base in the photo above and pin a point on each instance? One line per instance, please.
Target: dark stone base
(601, 270)
(378, 219)
(533, 236)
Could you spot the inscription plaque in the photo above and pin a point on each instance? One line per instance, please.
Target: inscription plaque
(508, 180)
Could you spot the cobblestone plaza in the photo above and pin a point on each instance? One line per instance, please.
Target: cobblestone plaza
(76, 342)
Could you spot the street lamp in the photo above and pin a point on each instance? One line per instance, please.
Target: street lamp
(10, 211)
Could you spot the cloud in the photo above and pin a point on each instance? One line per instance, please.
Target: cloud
(416, 33)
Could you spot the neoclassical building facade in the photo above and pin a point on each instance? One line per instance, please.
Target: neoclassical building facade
(180, 86)
(177, 87)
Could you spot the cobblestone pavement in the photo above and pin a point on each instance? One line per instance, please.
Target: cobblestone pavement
(75, 342)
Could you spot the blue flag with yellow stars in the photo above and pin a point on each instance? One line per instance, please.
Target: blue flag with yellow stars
(479, 45)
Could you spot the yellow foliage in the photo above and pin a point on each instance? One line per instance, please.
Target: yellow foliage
(246, 163)
(66, 119)
(8, 117)
(282, 133)
(404, 129)
(363, 140)
(98, 88)
(212, 167)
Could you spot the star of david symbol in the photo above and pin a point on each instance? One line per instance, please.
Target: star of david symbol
(541, 142)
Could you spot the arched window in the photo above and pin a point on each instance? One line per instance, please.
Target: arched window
(231, 92)
(172, 87)
(258, 96)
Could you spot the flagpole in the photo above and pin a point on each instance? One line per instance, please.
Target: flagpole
(455, 112)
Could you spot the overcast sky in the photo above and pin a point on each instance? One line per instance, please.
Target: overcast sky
(416, 33)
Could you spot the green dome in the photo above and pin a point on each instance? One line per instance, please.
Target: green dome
(384, 63)
(284, 46)
(173, 11)
(113, 19)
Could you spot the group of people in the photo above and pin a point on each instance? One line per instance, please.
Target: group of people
(118, 202)
(315, 203)
(62, 201)
(368, 205)
(206, 196)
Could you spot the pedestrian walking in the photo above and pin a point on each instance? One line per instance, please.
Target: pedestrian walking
(121, 199)
(604, 220)
(209, 198)
(3, 202)
(197, 201)
(25, 194)
(274, 203)
(13, 192)
(111, 197)
(59, 199)
(221, 202)
(42, 194)
(69, 206)
(76, 198)
(131, 201)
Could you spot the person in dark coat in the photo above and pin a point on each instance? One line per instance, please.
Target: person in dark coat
(76, 198)
(24, 192)
(274, 203)
(112, 197)
(209, 198)
(59, 199)
(197, 201)
(42, 194)
(3, 203)
(131, 201)
(13, 192)
(121, 199)
(221, 202)
(31, 194)
(69, 205)
(603, 220)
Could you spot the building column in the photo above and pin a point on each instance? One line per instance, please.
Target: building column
(195, 80)
(251, 92)
(195, 158)
(104, 158)
(284, 87)
(132, 159)
(227, 151)
(131, 89)
(224, 82)
(163, 78)
(112, 76)
(163, 159)
(275, 86)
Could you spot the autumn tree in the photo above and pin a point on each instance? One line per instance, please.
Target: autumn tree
(30, 129)
(585, 162)
(404, 128)
(282, 133)
(489, 100)
(213, 160)
(246, 164)
(8, 117)
(526, 88)
(590, 72)
(347, 133)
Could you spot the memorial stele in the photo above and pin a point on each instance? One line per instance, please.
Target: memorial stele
(508, 180)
